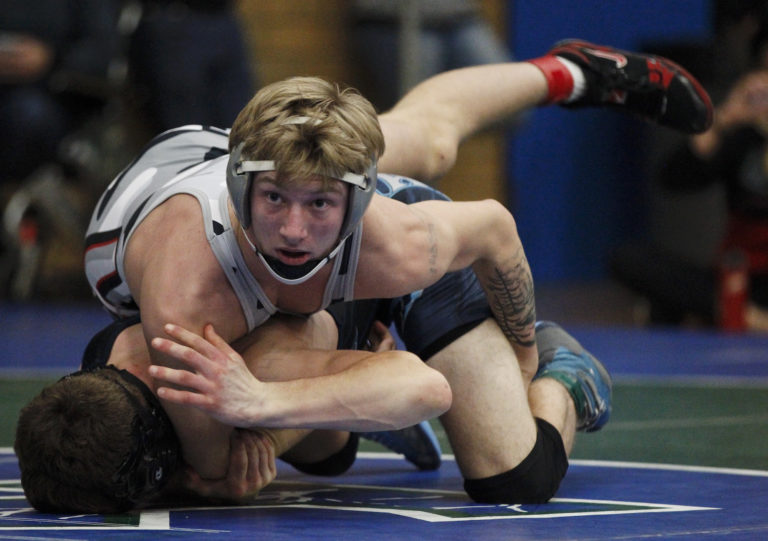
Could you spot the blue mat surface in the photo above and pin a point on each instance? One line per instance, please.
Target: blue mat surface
(50, 338)
(382, 497)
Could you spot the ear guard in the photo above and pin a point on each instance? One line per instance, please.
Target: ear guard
(156, 451)
(240, 174)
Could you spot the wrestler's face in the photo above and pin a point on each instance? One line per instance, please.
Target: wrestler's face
(297, 221)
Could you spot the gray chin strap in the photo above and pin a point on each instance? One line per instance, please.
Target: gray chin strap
(292, 274)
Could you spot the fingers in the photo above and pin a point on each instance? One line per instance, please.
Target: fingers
(239, 464)
(218, 342)
(188, 356)
(380, 338)
(181, 378)
(196, 484)
(256, 456)
(191, 481)
(271, 462)
(262, 468)
(267, 465)
(255, 468)
(193, 341)
(198, 352)
(176, 376)
(184, 397)
(252, 466)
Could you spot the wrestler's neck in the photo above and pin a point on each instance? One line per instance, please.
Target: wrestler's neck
(129, 352)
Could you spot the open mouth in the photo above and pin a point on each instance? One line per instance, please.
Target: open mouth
(293, 257)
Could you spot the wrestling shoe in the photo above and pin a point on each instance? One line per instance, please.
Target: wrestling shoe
(418, 443)
(650, 86)
(562, 358)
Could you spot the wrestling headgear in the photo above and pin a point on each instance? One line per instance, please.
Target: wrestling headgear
(240, 175)
(155, 453)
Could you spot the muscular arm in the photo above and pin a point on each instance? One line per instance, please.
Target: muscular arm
(425, 128)
(435, 237)
(174, 277)
(300, 387)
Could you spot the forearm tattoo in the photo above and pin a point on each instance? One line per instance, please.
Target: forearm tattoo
(510, 293)
(432, 249)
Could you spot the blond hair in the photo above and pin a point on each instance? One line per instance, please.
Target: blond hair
(309, 126)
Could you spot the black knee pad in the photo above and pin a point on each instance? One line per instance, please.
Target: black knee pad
(534, 480)
(336, 464)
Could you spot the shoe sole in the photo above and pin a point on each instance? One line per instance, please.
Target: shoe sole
(606, 377)
(667, 63)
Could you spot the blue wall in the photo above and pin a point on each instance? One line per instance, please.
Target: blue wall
(575, 176)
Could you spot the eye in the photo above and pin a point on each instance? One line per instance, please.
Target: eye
(272, 197)
(320, 203)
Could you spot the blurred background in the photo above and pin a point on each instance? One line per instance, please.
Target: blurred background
(625, 224)
(582, 185)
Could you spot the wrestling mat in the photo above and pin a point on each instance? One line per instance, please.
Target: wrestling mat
(383, 497)
(681, 398)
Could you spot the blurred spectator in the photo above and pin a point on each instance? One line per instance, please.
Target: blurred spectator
(733, 155)
(448, 34)
(190, 60)
(54, 61)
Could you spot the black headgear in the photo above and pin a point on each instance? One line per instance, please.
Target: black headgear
(155, 453)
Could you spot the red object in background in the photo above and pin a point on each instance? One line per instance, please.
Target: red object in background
(28, 231)
(734, 291)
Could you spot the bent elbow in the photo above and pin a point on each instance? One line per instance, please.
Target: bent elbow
(506, 226)
(441, 155)
(444, 396)
(436, 396)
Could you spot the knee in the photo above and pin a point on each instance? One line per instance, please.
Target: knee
(535, 480)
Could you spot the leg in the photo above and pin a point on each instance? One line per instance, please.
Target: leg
(512, 447)
(424, 129)
(417, 443)
(323, 452)
(507, 451)
(549, 400)
(490, 425)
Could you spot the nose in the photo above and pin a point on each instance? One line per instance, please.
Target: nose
(294, 229)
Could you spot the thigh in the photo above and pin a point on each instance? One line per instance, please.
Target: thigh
(427, 320)
(489, 425)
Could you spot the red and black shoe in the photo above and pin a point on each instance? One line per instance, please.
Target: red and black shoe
(653, 87)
